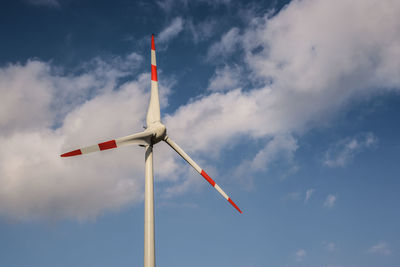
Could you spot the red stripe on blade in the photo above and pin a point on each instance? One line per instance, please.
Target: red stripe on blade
(205, 175)
(233, 204)
(72, 153)
(108, 145)
(154, 73)
(153, 47)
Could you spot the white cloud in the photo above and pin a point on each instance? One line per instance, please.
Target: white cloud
(307, 62)
(28, 87)
(345, 150)
(307, 48)
(280, 148)
(168, 5)
(227, 45)
(380, 248)
(312, 64)
(226, 78)
(189, 181)
(171, 31)
(203, 30)
(330, 201)
(300, 255)
(309, 193)
(35, 183)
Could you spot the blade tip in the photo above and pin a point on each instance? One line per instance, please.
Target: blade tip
(71, 153)
(153, 47)
(238, 209)
(234, 205)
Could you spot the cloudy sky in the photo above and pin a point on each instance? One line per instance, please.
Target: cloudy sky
(292, 107)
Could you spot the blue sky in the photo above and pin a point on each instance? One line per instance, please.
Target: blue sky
(291, 106)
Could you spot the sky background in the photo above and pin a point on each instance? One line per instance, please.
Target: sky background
(292, 107)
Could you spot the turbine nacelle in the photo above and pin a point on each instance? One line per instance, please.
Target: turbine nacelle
(158, 132)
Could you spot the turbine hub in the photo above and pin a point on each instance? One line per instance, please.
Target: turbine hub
(158, 130)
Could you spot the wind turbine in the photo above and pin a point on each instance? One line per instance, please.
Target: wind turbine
(154, 133)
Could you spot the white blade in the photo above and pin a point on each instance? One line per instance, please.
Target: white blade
(200, 170)
(153, 113)
(142, 138)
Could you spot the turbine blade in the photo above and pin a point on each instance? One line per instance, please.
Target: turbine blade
(200, 170)
(142, 138)
(153, 112)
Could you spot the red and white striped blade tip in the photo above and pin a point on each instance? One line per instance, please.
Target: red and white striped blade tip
(99, 147)
(153, 47)
(216, 186)
(233, 204)
(72, 153)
